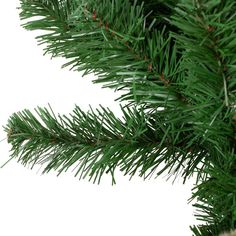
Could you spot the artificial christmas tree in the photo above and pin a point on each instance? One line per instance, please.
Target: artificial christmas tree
(175, 60)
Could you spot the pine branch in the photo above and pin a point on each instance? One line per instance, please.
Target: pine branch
(208, 29)
(180, 58)
(97, 142)
(204, 80)
(156, 93)
(103, 47)
(115, 43)
(216, 197)
(207, 40)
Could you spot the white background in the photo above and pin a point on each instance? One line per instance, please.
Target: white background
(32, 204)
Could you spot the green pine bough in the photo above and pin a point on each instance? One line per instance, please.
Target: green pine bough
(176, 63)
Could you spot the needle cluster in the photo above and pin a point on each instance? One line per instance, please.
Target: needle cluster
(176, 62)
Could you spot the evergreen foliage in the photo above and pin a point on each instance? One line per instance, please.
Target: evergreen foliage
(176, 62)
